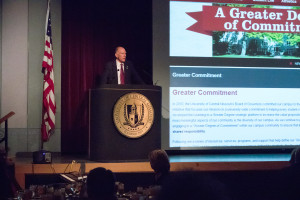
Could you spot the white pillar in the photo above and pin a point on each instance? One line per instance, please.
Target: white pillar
(14, 61)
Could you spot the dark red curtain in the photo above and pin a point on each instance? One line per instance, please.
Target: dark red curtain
(91, 29)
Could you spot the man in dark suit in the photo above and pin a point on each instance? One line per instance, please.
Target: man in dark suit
(120, 71)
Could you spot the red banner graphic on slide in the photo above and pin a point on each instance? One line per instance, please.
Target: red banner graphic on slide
(259, 2)
(243, 19)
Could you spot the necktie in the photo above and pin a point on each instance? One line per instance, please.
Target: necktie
(122, 75)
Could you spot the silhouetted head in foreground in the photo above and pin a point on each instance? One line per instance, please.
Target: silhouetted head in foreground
(159, 160)
(160, 163)
(101, 184)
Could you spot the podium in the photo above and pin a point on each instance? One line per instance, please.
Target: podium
(108, 142)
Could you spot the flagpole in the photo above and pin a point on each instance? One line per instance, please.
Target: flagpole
(43, 82)
(48, 96)
(43, 111)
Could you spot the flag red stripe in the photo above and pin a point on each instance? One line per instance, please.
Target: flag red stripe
(52, 106)
(48, 55)
(47, 43)
(51, 123)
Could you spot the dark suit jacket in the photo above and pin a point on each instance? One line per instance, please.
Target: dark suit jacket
(110, 75)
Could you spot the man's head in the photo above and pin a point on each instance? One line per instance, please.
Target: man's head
(120, 54)
(101, 184)
(159, 161)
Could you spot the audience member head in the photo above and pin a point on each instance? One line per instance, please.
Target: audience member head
(101, 184)
(159, 161)
(295, 156)
(191, 185)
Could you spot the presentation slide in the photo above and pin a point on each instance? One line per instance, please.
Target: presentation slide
(200, 29)
(225, 106)
(231, 70)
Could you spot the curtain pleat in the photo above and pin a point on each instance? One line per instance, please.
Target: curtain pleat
(91, 29)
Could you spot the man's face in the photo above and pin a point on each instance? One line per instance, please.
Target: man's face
(121, 54)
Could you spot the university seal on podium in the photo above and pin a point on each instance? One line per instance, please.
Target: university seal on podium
(133, 115)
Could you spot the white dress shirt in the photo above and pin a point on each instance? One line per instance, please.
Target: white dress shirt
(119, 70)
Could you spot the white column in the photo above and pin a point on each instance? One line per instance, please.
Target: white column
(14, 61)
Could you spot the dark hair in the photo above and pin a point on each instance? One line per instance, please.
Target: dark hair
(101, 183)
(159, 160)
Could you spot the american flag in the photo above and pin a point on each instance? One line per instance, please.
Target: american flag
(49, 107)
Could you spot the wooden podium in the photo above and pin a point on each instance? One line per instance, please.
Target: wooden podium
(106, 143)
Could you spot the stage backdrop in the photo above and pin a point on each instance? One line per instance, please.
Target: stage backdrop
(91, 29)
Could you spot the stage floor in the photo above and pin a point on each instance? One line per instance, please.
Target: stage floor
(211, 162)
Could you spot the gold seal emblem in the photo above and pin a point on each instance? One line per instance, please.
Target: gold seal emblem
(133, 115)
